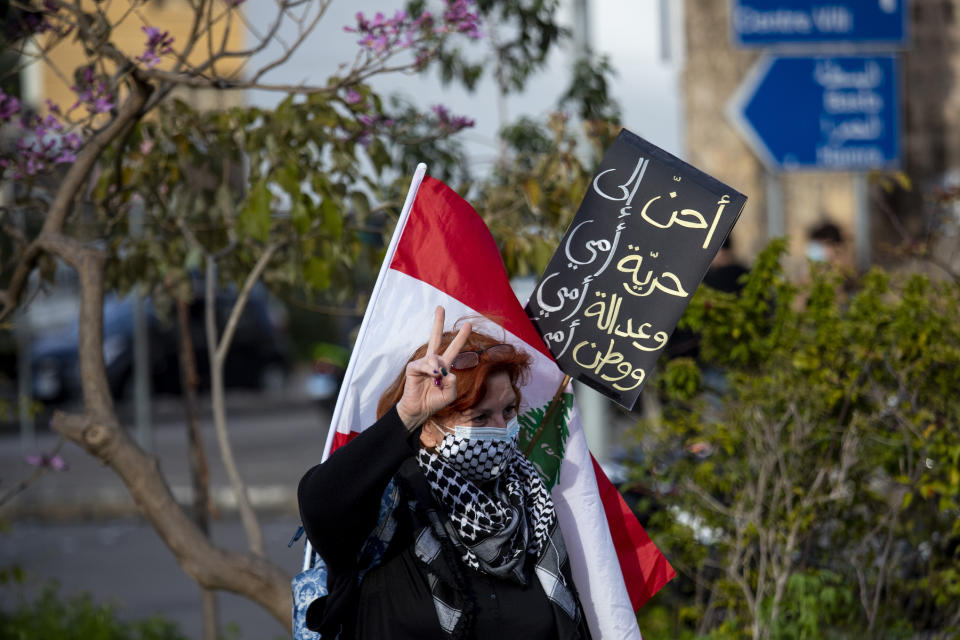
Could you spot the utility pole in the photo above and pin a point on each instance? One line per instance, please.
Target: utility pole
(594, 406)
(31, 91)
(141, 347)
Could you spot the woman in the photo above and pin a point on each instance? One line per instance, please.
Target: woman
(431, 522)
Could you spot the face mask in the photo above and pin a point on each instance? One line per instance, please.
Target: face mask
(480, 453)
(508, 433)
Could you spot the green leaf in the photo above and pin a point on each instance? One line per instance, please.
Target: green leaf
(289, 179)
(300, 215)
(378, 155)
(254, 218)
(317, 273)
(907, 499)
(332, 220)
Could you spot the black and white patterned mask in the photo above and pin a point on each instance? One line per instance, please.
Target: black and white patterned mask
(480, 454)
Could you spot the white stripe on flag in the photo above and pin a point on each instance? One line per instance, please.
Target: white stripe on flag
(361, 333)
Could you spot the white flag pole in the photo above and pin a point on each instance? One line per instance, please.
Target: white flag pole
(348, 374)
(374, 295)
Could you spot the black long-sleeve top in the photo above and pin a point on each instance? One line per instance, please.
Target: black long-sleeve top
(339, 505)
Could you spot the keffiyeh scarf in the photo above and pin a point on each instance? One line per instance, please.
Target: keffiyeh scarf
(494, 531)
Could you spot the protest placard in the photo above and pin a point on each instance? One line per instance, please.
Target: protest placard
(638, 247)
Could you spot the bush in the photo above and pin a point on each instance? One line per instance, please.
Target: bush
(50, 617)
(815, 493)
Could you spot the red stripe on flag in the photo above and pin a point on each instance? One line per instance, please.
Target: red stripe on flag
(447, 245)
(645, 569)
(340, 439)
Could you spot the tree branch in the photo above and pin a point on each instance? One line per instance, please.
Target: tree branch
(223, 346)
(245, 574)
(33, 477)
(70, 187)
(247, 515)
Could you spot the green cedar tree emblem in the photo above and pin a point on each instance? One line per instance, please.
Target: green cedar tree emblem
(548, 442)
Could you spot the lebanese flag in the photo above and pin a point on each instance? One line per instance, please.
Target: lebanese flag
(443, 254)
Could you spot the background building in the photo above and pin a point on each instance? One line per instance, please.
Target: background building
(39, 83)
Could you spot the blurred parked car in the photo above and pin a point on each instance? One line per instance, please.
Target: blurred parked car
(258, 356)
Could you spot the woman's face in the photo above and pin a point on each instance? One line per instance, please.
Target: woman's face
(495, 409)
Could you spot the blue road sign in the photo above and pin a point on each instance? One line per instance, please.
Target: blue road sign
(821, 112)
(763, 23)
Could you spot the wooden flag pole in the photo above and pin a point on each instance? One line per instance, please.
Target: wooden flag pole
(551, 409)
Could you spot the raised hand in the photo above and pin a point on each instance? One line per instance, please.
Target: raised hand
(430, 385)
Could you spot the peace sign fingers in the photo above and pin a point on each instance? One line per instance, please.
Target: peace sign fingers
(429, 384)
(436, 333)
(453, 349)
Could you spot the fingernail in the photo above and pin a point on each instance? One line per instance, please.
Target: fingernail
(444, 371)
(436, 382)
(435, 372)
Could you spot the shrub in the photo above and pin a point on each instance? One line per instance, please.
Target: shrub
(50, 617)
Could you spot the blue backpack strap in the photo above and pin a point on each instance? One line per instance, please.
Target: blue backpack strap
(376, 544)
(311, 583)
(308, 585)
(296, 536)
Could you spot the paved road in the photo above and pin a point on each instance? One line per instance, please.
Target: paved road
(80, 527)
(124, 563)
(275, 438)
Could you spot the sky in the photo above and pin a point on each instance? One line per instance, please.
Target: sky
(645, 84)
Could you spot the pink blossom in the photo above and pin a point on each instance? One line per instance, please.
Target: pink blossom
(149, 59)
(9, 106)
(461, 19)
(42, 143)
(382, 34)
(451, 123)
(352, 97)
(55, 462)
(371, 121)
(72, 140)
(102, 105)
(65, 157)
(94, 96)
(158, 44)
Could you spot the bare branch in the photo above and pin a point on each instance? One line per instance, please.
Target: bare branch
(304, 32)
(184, 55)
(708, 499)
(22, 485)
(241, 302)
(247, 515)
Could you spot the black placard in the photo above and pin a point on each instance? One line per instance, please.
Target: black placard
(641, 242)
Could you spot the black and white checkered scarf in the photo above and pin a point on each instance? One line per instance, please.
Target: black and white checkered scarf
(495, 531)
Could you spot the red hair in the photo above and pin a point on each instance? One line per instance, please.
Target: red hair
(471, 383)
